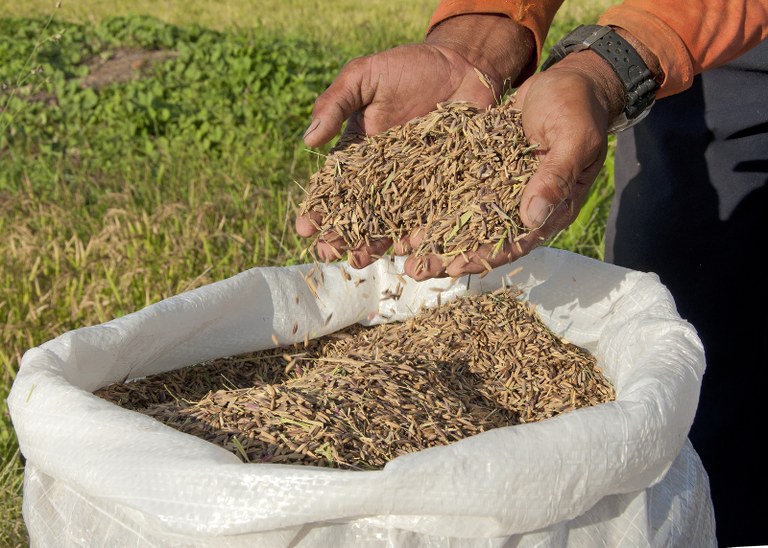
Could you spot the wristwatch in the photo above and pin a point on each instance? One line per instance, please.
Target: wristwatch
(639, 83)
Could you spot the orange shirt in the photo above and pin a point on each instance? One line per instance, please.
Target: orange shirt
(687, 36)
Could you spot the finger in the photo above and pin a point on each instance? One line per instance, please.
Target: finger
(331, 247)
(547, 189)
(415, 238)
(568, 167)
(488, 257)
(464, 264)
(308, 225)
(367, 254)
(403, 246)
(348, 93)
(554, 195)
(424, 267)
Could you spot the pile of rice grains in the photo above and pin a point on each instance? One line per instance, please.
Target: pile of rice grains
(364, 395)
(457, 174)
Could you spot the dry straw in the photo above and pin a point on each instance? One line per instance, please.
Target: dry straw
(362, 396)
(457, 173)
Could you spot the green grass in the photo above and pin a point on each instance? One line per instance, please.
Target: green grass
(114, 199)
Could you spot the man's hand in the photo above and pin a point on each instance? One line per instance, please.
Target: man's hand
(381, 91)
(566, 112)
(377, 92)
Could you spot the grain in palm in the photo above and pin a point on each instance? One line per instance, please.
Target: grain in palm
(457, 174)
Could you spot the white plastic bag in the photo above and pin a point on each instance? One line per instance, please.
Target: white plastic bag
(618, 474)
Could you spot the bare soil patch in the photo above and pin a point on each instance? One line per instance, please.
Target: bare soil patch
(123, 65)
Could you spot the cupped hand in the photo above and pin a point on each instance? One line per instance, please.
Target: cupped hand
(566, 111)
(381, 91)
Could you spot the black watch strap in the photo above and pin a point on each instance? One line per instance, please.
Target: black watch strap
(639, 84)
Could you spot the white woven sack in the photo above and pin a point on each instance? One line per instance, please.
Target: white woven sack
(617, 474)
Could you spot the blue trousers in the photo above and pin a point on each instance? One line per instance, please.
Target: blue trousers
(691, 205)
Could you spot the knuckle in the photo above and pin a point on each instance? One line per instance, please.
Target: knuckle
(558, 186)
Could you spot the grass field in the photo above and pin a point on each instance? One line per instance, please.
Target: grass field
(116, 194)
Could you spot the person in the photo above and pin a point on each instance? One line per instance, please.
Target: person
(690, 178)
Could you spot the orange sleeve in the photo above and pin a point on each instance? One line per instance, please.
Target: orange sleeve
(535, 15)
(691, 36)
(688, 36)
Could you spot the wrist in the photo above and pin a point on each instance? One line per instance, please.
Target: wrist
(494, 44)
(608, 89)
(605, 48)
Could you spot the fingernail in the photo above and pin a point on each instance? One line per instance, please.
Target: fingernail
(538, 210)
(312, 127)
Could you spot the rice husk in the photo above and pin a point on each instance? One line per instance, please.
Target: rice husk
(456, 173)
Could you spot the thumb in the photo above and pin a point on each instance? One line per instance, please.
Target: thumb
(347, 94)
(556, 192)
(549, 188)
(560, 114)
